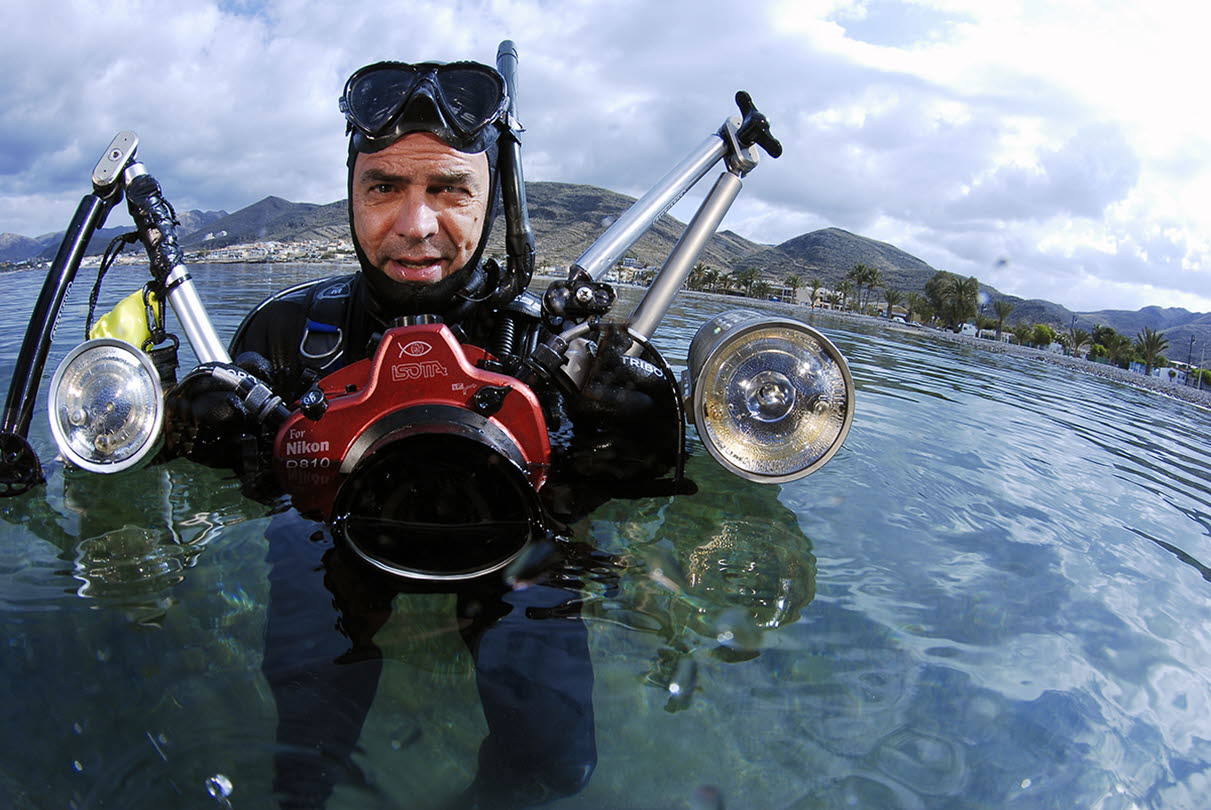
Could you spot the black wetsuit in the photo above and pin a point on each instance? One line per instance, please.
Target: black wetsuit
(532, 669)
(529, 645)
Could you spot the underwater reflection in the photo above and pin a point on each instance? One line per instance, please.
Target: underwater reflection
(129, 539)
(324, 662)
(703, 580)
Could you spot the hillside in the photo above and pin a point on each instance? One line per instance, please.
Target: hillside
(271, 219)
(16, 248)
(566, 218)
(828, 254)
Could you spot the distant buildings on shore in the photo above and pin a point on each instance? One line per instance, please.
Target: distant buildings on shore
(315, 250)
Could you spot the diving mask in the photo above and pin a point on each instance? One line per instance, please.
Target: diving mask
(458, 102)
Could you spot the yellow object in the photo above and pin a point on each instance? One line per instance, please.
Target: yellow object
(128, 320)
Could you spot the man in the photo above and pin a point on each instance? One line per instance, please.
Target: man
(423, 187)
(423, 181)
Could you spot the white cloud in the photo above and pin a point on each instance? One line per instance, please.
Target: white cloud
(1066, 137)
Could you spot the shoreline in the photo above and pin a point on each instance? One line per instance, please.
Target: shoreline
(1183, 393)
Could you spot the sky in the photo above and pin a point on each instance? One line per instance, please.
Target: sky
(1055, 149)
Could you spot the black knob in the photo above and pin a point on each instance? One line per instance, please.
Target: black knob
(313, 403)
(487, 400)
(754, 129)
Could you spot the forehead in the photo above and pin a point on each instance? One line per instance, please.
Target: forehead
(422, 154)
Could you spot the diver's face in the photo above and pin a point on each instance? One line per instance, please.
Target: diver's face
(419, 207)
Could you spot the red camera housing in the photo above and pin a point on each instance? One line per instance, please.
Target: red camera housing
(417, 424)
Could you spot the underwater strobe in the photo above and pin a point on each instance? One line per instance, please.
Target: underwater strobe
(772, 398)
(106, 406)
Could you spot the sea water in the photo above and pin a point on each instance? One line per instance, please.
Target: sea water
(996, 595)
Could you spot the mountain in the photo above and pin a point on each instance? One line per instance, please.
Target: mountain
(1180, 345)
(271, 219)
(566, 218)
(1133, 322)
(16, 248)
(195, 219)
(828, 254)
(1034, 310)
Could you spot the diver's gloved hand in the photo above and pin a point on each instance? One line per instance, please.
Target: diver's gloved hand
(210, 417)
(625, 421)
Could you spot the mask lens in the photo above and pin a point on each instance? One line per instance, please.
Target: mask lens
(472, 96)
(373, 99)
(456, 102)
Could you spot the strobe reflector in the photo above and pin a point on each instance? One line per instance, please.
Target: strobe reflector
(106, 406)
(772, 397)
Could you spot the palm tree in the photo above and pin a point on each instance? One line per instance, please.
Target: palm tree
(746, 278)
(857, 277)
(864, 276)
(697, 279)
(893, 297)
(1022, 333)
(760, 289)
(1002, 307)
(845, 287)
(815, 287)
(968, 295)
(917, 305)
(1150, 344)
(874, 278)
(1078, 340)
(953, 299)
(1118, 348)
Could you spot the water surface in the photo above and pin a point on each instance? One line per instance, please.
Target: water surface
(995, 595)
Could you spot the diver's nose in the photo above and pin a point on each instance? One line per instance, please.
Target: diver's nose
(417, 218)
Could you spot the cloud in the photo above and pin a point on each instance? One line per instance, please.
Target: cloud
(914, 121)
(1090, 171)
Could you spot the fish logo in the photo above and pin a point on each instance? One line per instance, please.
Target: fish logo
(417, 348)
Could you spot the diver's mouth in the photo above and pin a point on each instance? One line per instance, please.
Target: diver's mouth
(425, 268)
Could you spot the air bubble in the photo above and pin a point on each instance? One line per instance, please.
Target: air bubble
(219, 787)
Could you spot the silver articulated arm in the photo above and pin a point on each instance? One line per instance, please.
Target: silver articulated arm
(659, 297)
(157, 227)
(626, 230)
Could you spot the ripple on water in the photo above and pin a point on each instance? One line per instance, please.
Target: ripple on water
(868, 791)
(928, 764)
(844, 700)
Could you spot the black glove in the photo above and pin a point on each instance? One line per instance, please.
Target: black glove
(220, 414)
(625, 420)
